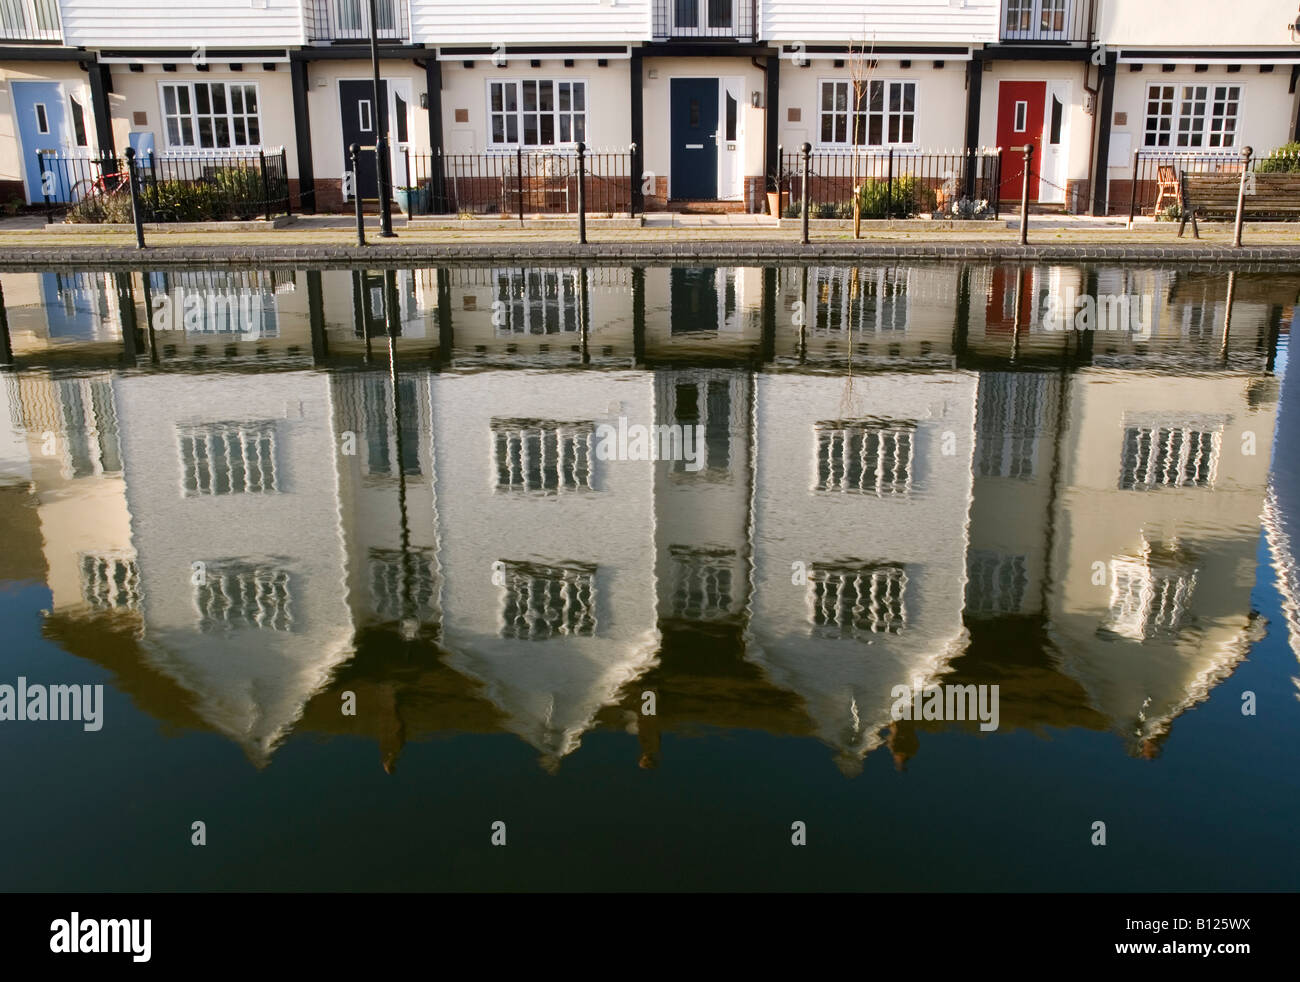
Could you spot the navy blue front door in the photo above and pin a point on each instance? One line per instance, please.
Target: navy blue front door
(694, 107)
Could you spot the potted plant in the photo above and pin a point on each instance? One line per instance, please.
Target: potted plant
(412, 200)
(777, 199)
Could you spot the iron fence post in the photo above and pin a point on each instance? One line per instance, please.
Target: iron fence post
(133, 182)
(45, 192)
(889, 187)
(519, 182)
(631, 178)
(266, 184)
(1133, 191)
(353, 151)
(284, 174)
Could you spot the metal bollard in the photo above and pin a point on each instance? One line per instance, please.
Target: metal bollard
(1024, 194)
(582, 193)
(1241, 195)
(353, 150)
(806, 150)
(133, 179)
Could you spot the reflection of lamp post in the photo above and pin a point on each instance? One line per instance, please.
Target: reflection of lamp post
(409, 622)
(381, 143)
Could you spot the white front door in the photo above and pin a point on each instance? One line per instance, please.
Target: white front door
(1056, 142)
(731, 139)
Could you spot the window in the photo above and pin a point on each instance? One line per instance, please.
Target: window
(542, 456)
(402, 584)
(543, 602)
(537, 112)
(868, 456)
(871, 300)
(995, 584)
(1168, 457)
(90, 427)
(1022, 114)
(78, 123)
(536, 301)
(882, 114)
(853, 601)
(702, 582)
(110, 582)
(365, 121)
(718, 14)
(242, 594)
(1054, 130)
(1148, 600)
(42, 119)
(211, 115)
(228, 458)
(1192, 116)
(1015, 410)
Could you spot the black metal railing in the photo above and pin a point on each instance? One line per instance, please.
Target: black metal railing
(29, 20)
(514, 183)
(349, 20)
(1047, 21)
(173, 186)
(708, 20)
(1151, 187)
(892, 183)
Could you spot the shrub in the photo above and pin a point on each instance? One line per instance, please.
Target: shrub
(1285, 159)
(905, 197)
(102, 209)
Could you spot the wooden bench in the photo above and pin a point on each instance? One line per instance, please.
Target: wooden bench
(1276, 195)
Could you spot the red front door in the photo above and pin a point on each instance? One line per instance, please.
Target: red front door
(1020, 121)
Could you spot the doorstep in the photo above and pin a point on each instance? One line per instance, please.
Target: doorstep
(254, 225)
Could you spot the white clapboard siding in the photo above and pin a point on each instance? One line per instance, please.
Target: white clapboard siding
(451, 22)
(166, 23)
(881, 21)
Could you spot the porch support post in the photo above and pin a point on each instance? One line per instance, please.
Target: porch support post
(974, 91)
(101, 84)
(1105, 111)
(302, 136)
(637, 111)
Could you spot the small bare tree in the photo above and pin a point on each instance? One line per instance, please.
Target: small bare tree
(862, 66)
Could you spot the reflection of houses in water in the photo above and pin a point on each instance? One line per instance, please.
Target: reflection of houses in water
(1155, 531)
(549, 592)
(703, 313)
(234, 515)
(239, 305)
(862, 492)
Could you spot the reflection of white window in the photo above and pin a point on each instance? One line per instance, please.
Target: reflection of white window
(709, 399)
(401, 584)
(881, 113)
(995, 584)
(1200, 320)
(873, 457)
(702, 583)
(239, 302)
(537, 301)
(872, 300)
(1192, 116)
(536, 112)
(228, 458)
(241, 594)
(110, 582)
(90, 428)
(1147, 601)
(542, 455)
(543, 602)
(211, 115)
(856, 600)
(1169, 456)
(1014, 410)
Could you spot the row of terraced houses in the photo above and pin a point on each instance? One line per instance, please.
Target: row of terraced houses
(704, 96)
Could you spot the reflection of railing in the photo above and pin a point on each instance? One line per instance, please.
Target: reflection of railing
(894, 183)
(349, 20)
(516, 182)
(712, 20)
(29, 20)
(1047, 21)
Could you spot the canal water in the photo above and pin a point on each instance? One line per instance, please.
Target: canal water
(634, 578)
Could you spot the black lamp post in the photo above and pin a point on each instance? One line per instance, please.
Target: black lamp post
(381, 144)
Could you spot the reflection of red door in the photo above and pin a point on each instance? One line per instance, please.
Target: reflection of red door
(1020, 121)
(1000, 307)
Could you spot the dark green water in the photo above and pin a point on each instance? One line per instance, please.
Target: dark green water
(246, 503)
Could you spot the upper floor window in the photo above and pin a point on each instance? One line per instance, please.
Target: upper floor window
(543, 602)
(211, 115)
(1015, 410)
(110, 582)
(702, 583)
(995, 584)
(228, 458)
(865, 456)
(542, 455)
(873, 113)
(872, 300)
(1192, 116)
(1035, 17)
(244, 594)
(856, 600)
(537, 112)
(1169, 457)
(402, 584)
(1149, 599)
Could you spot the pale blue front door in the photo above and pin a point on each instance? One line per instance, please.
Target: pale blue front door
(42, 111)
